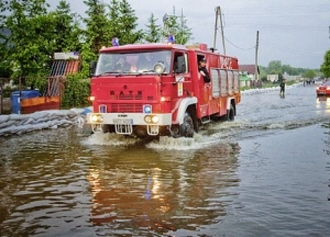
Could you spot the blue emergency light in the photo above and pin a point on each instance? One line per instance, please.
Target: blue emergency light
(147, 109)
(171, 39)
(115, 41)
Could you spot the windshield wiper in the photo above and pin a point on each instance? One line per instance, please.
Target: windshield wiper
(140, 72)
(106, 73)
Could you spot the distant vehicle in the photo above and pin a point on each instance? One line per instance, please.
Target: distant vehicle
(323, 89)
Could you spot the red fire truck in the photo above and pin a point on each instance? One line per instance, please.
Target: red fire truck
(156, 89)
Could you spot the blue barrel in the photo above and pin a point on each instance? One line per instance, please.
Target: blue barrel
(16, 100)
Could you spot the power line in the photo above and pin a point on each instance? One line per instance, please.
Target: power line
(272, 45)
(288, 50)
(236, 45)
(246, 49)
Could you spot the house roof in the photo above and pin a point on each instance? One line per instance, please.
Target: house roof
(250, 68)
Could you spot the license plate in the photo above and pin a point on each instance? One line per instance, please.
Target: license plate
(123, 121)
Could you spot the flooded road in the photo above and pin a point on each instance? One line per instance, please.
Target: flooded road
(266, 174)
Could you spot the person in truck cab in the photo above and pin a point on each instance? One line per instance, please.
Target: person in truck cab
(145, 62)
(167, 63)
(203, 71)
(122, 64)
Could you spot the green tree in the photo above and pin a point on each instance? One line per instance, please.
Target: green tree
(154, 32)
(288, 69)
(76, 91)
(179, 29)
(275, 67)
(123, 23)
(4, 39)
(87, 56)
(4, 62)
(68, 38)
(67, 30)
(97, 25)
(263, 73)
(29, 45)
(309, 74)
(4, 6)
(325, 67)
(34, 37)
(184, 33)
(114, 22)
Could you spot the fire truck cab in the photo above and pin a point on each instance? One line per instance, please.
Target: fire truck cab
(156, 89)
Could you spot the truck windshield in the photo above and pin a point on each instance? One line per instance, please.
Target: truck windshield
(133, 62)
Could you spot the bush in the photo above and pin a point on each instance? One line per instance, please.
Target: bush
(76, 91)
(7, 91)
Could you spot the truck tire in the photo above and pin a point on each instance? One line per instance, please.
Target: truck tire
(187, 128)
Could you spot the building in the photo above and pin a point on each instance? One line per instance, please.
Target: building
(250, 69)
(247, 75)
(272, 77)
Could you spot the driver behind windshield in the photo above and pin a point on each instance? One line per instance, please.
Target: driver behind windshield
(122, 64)
(145, 62)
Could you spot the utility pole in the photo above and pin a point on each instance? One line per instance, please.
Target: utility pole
(168, 17)
(218, 14)
(256, 57)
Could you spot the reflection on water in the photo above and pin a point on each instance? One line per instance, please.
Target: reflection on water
(40, 182)
(323, 99)
(327, 140)
(323, 104)
(266, 174)
(154, 192)
(61, 187)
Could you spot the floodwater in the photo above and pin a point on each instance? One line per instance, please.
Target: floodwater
(266, 174)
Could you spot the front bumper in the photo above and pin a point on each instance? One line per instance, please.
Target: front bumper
(124, 122)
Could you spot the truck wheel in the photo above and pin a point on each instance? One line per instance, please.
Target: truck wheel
(175, 131)
(187, 128)
(231, 113)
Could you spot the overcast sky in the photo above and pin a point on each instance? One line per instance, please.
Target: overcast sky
(296, 32)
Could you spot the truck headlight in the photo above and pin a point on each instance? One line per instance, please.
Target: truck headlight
(151, 119)
(147, 119)
(96, 118)
(155, 119)
(159, 68)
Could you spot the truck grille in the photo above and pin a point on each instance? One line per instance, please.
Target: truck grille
(133, 101)
(125, 108)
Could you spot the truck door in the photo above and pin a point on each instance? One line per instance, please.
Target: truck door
(182, 76)
(204, 89)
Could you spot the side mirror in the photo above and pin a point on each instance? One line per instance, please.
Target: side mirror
(92, 68)
(180, 66)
